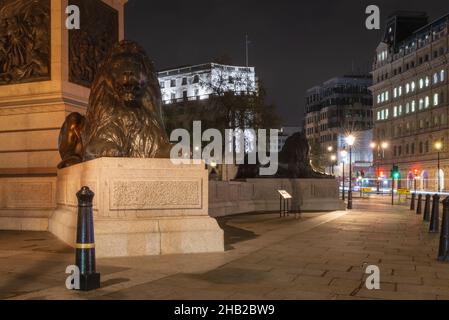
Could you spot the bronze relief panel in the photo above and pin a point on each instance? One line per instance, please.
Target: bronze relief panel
(89, 45)
(24, 41)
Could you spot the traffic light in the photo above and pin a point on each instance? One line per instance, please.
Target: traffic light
(395, 173)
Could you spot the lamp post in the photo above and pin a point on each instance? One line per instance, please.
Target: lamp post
(350, 141)
(330, 149)
(380, 154)
(344, 154)
(333, 159)
(438, 146)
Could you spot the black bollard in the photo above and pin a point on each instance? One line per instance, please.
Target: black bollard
(434, 219)
(412, 202)
(85, 243)
(419, 204)
(443, 249)
(426, 216)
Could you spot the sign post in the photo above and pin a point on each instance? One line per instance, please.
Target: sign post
(284, 198)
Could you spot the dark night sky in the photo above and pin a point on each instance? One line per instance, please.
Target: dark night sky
(295, 44)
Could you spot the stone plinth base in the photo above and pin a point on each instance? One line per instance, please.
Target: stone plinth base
(26, 202)
(141, 207)
(234, 197)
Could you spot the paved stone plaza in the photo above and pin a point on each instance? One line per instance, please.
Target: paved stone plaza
(318, 256)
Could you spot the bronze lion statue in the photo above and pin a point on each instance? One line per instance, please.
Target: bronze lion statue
(124, 115)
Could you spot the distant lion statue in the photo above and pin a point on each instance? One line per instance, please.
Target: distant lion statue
(124, 115)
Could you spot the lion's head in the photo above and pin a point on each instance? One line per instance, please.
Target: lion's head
(128, 73)
(124, 116)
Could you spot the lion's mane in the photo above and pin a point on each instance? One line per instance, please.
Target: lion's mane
(113, 129)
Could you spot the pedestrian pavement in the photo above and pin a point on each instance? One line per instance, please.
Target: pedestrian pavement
(317, 256)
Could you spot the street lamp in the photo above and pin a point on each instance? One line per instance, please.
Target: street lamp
(380, 147)
(333, 159)
(343, 154)
(350, 141)
(438, 146)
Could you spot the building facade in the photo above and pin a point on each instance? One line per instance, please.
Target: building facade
(410, 99)
(198, 82)
(339, 106)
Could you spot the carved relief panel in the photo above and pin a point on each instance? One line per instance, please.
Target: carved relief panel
(89, 45)
(24, 41)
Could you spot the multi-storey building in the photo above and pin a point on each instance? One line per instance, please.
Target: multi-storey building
(198, 82)
(410, 90)
(339, 106)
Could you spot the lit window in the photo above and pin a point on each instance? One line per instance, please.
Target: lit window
(435, 99)
(386, 113)
(400, 110)
(395, 92)
(382, 114)
(421, 103)
(378, 98)
(382, 97)
(421, 83)
(427, 81)
(407, 88)
(378, 115)
(413, 86)
(400, 90)
(443, 75)
(413, 106)
(395, 111)
(407, 107)
(435, 78)
(386, 96)
(427, 102)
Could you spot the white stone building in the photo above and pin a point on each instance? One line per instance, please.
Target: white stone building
(198, 82)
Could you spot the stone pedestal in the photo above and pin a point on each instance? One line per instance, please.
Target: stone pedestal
(33, 108)
(141, 207)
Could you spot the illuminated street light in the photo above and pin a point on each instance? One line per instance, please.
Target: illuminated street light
(343, 154)
(350, 141)
(330, 148)
(438, 146)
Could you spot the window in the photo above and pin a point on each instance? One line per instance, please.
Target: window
(421, 104)
(386, 113)
(427, 82)
(407, 108)
(421, 83)
(386, 96)
(427, 102)
(173, 96)
(407, 88)
(378, 98)
(395, 111)
(400, 90)
(400, 110)
(413, 106)
(162, 84)
(378, 115)
(435, 78)
(173, 83)
(196, 79)
(435, 99)
(442, 75)
(413, 86)
(184, 81)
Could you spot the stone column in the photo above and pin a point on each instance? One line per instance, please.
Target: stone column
(38, 89)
